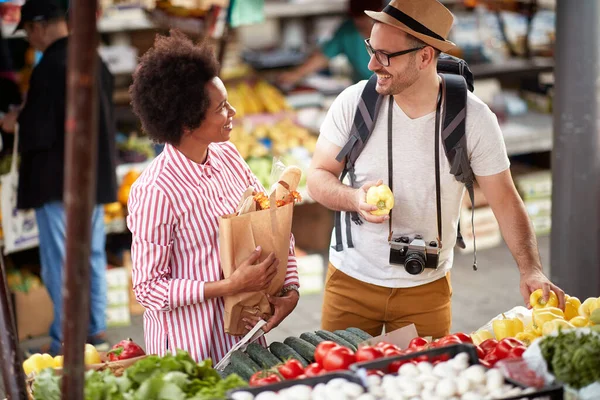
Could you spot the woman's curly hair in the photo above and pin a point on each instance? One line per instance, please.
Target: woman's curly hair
(168, 93)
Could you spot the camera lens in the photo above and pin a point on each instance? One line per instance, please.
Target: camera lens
(414, 263)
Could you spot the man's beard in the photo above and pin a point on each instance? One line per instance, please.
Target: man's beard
(400, 82)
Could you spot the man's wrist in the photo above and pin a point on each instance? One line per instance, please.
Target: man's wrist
(289, 288)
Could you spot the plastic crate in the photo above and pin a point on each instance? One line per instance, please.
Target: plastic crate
(554, 392)
(312, 382)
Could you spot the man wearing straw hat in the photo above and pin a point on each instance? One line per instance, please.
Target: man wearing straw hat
(362, 288)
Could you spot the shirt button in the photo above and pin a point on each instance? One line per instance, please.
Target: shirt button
(220, 198)
(209, 176)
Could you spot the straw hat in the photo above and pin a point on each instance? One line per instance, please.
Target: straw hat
(428, 20)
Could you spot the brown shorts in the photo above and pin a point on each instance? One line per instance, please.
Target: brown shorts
(349, 302)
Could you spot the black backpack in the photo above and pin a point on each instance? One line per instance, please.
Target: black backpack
(457, 78)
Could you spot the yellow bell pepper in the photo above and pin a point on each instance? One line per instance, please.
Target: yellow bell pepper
(382, 197)
(595, 317)
(507, 327)
(579, 321)
(588, 306)
(542, 315)
(37, 362)
(551, 326)
(536, 299)
(481, 336)
(526, 337)
(91, 356)
(58, 361)
(572, 305)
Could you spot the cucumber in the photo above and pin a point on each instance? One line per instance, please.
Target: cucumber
(302, 347)
(335, 338)
(243, 365)
(350, 337)
(360, 333)
(312, 338)
(285, 352)
(261, 356)
(228, 370)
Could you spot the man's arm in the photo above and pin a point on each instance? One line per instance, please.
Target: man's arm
(518, 233)
(325, 187)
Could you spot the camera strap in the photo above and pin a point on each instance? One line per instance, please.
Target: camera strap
(437, 162)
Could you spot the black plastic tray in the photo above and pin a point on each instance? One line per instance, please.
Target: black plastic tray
(312, 382)
(553, 392)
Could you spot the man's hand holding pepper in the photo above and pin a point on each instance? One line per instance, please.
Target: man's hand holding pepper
(364, 208)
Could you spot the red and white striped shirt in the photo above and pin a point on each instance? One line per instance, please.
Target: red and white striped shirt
(174, 210)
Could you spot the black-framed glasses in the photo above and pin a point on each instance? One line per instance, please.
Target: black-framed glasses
(384, 58)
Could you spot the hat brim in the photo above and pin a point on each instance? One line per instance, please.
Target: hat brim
(442, 45)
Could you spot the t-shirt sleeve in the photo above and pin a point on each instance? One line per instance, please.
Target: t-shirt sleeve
(335, 45)
(338, 122)
(486, 144)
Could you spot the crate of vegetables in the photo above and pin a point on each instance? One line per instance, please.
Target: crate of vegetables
(338, 385)
(450, 371)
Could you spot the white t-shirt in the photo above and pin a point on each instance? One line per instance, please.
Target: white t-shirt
(414, 184)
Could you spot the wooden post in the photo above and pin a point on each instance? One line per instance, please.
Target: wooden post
(81, 136)
(10, 356)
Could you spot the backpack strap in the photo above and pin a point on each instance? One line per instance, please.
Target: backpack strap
(365, 118)
(455, 140)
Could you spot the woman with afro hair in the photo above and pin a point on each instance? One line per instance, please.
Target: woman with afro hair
(175, 205)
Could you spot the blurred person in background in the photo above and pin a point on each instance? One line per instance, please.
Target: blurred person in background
(10, 95)
(348, 39)
(41, 171)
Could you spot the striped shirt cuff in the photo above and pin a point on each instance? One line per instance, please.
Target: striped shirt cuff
(185, 292)
(291, 277)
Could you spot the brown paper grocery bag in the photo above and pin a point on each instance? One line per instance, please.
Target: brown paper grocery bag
(239, 235)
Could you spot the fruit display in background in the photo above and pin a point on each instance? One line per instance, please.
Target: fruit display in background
(256, 98)
(274, 139)
(125, 187)
(134, 149)
(113, 211)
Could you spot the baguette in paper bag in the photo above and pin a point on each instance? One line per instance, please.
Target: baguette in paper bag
(240, 233)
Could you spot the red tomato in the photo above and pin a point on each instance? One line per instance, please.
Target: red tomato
(417, 342)
(338, 358)
(488, 345)
(395, 366)
(448, 340)
(386, 346)
(322, 350)
(313, 369)
(516, 352)
(291, 369)
(262, 378)
(368, 353)
(392, 353)
(463, 337)
(491, 358)
(480, 352)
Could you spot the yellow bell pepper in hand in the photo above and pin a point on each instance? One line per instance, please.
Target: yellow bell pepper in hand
(536, 299)
(551, 326)
(507, 327)
(542, 315)
(526, 337)
(382, 197)
(481, 336)
(572, 305)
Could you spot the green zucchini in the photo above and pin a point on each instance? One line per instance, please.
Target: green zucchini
(261, 356)
(335, 338)
(360, 333)
(243, 365)
(285, 352)
(228, 370)
(302, 347)
(312, 338)
(350, 337)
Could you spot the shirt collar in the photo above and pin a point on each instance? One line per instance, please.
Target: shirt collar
(190, 170)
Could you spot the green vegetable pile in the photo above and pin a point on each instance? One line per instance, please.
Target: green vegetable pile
(171, 377)
(573, 357)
